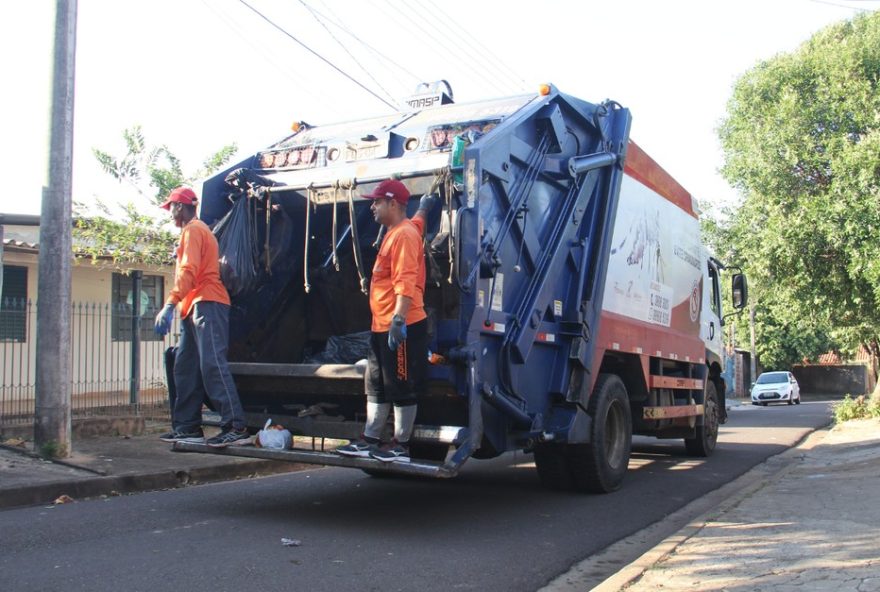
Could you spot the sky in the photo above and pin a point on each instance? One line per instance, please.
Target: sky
(197, 75)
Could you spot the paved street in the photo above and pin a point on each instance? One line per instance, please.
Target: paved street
(493, 528)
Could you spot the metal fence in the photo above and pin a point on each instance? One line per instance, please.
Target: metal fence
(106, 378)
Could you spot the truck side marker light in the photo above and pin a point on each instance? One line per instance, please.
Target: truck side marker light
(615, 346)
(687, 358)
(548, 337)
(544, 90)
(659, 354)
(638, 350)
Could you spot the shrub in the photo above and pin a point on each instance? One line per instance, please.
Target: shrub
(858, 408)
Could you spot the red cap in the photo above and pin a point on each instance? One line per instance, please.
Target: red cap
(183, 195)
(390, 189)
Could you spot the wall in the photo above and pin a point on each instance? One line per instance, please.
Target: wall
(838, 379)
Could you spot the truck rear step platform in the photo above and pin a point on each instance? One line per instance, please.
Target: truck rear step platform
(417, 468)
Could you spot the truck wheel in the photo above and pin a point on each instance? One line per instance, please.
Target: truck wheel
(706, 436)
(553, 467)
(600, 466)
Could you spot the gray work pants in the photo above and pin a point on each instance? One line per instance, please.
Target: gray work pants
(200, 368)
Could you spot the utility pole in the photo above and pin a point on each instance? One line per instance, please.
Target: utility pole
(52, 416)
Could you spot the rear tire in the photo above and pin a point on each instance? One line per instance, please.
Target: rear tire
(706, 435)
(601, 465)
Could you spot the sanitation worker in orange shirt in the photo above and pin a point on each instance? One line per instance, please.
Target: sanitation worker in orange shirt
(200, 365)
(398, 358)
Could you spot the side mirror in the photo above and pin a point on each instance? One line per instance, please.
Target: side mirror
(740, 290)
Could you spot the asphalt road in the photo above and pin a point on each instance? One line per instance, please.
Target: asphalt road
(491, 529)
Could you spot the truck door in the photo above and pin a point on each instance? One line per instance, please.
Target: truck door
(710, 328)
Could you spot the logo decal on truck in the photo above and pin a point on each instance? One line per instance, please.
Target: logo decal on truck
(695, 302)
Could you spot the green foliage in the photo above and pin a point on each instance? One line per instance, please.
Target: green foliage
(858, 408)
(52, 449)
(153, 172)
(802, 143)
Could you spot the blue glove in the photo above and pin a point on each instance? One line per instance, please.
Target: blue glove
(397, 332)
(163, 320)
(428, 201)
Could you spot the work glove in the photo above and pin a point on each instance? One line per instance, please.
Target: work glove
(163, 320)
(397, 332)
(428, 201)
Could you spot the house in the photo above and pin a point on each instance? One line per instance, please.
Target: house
(102, 326)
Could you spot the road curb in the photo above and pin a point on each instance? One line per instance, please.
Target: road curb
(46, 493)
(587, 574)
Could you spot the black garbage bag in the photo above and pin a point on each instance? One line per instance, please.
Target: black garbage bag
(343, 349)
(239, 253)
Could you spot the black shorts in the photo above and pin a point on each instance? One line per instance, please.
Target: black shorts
(400, 376)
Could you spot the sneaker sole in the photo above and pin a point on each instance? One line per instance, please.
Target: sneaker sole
(400, 459)
(193, 440)
(362, 454)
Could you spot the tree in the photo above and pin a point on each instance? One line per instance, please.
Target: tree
(152, 172)
(801, 142)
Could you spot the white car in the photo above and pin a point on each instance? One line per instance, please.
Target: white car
(776, 387)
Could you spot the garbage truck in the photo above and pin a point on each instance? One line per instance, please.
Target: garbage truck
(571, 302)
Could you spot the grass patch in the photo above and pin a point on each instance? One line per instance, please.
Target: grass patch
(856, 408)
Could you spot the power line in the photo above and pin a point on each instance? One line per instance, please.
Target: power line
(467, 60)
(411, 23)
(337, 22)
(840, 5)
(283, 69)
(473, 41)
(344, 48)
(316, 54)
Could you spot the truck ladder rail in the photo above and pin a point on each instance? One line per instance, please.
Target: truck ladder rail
(417, 467)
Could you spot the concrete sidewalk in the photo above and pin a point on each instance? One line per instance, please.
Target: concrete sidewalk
(811, 522)
(114, 465)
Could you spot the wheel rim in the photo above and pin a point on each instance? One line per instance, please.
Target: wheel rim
(615, 437)
(710, 419)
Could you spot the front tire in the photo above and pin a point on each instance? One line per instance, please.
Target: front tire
(706, 436)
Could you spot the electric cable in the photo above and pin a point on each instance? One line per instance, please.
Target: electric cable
(283, 69)
(337, 22)
(410, 24)
(486, 76)
(316, 54)
(474, 42)
(344, 48)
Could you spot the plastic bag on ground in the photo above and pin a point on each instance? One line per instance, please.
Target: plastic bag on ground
(274, 436)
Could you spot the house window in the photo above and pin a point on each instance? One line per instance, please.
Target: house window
(151, 299)
(13, 304)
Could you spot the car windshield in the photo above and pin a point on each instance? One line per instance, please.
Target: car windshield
(772, 377)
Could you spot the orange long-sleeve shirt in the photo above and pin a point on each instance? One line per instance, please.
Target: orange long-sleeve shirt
(399, 270)
(197, 275)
